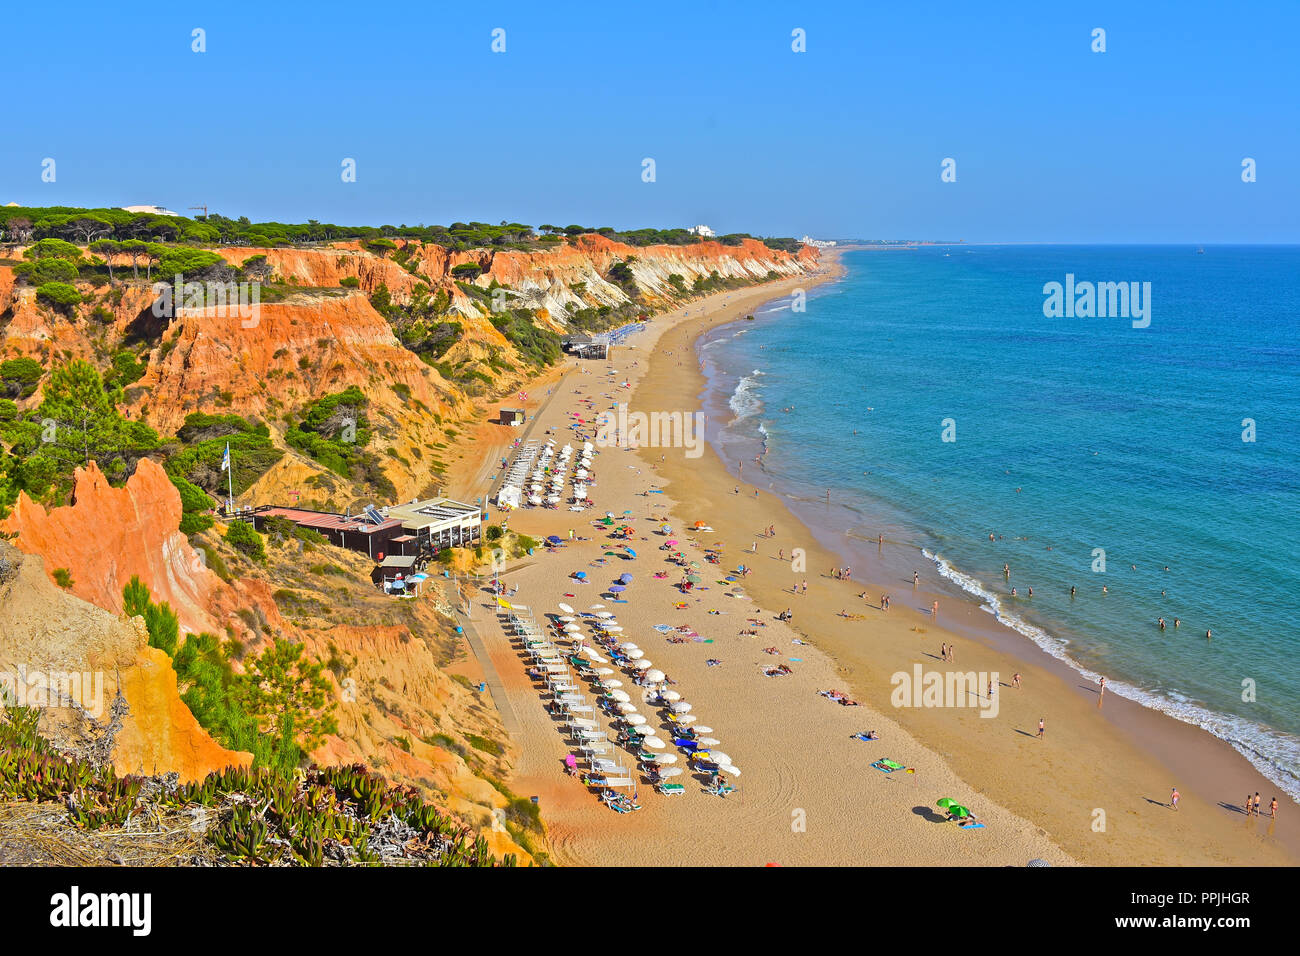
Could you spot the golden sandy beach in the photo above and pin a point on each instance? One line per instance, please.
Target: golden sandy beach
(1095, 790)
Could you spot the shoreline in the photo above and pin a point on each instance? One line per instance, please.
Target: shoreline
(1195, 760)
(850, 530)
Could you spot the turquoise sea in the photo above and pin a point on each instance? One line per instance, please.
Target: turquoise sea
(1071, 435)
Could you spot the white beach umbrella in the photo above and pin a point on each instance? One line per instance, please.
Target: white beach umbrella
(636, 720)
(619, 695)
(612, 683)
(730, 770)
(718, 757)
(670, 695)
(701, 730)
(708, 741)
(625, 708)
(664, 758)
(568, 619)
(573, 628)
(639, 731)
(654, 675)
(642, 664)
(597, 607)
(592, 656)
(681, 707)
(603, 613)
(606, 671)
(628, 646)
(654, 743)
(636, 655)
(671, 772)
(612, 629)
(565, 608)
(687, 719)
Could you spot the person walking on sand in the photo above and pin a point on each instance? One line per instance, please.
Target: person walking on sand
(1102, 692)
(1248, 804)
(1272, 809)
(916, 579)
(1256, 803)
(1042, 728)
(934, 609)
(1015, 680)
(943, 651)
(990, 688)
(1174, 797)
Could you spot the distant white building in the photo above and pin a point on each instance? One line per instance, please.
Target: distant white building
(152, 210)
(704, 232)
(817, 243)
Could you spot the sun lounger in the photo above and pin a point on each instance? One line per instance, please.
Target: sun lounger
(671, 788)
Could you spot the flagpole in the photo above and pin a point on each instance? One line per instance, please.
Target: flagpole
(230, 482)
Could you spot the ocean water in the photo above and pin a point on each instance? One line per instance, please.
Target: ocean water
(1071, 434)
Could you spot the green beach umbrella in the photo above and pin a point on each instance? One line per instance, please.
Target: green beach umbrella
(958, 811)
(945, 802)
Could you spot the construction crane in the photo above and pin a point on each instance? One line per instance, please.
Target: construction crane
(204, 208)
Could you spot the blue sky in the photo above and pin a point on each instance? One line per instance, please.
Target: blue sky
(1142, 143)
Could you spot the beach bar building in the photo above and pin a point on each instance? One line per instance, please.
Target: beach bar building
(370, 532)
(410, 529)
(587, 346)
(437, 523)
(393, 567)
(513, 416)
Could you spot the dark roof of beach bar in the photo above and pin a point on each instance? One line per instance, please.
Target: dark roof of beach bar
(325, 522)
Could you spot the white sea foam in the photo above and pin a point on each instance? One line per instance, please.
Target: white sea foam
(745, 401)
(1276, 755)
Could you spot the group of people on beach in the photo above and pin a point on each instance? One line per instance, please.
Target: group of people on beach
(1252, 806)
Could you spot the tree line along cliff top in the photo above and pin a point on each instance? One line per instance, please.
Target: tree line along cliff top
(19, 225)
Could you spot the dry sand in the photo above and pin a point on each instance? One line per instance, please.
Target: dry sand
(1095, 790)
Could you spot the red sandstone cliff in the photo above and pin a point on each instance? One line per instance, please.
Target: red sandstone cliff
(109, 534)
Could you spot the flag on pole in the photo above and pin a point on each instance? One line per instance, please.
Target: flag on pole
(225, 458)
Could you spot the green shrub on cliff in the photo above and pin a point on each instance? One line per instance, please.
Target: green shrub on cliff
(245, 539)
(58, 295)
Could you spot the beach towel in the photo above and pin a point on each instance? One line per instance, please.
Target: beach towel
(971, 826)
(888, 766)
